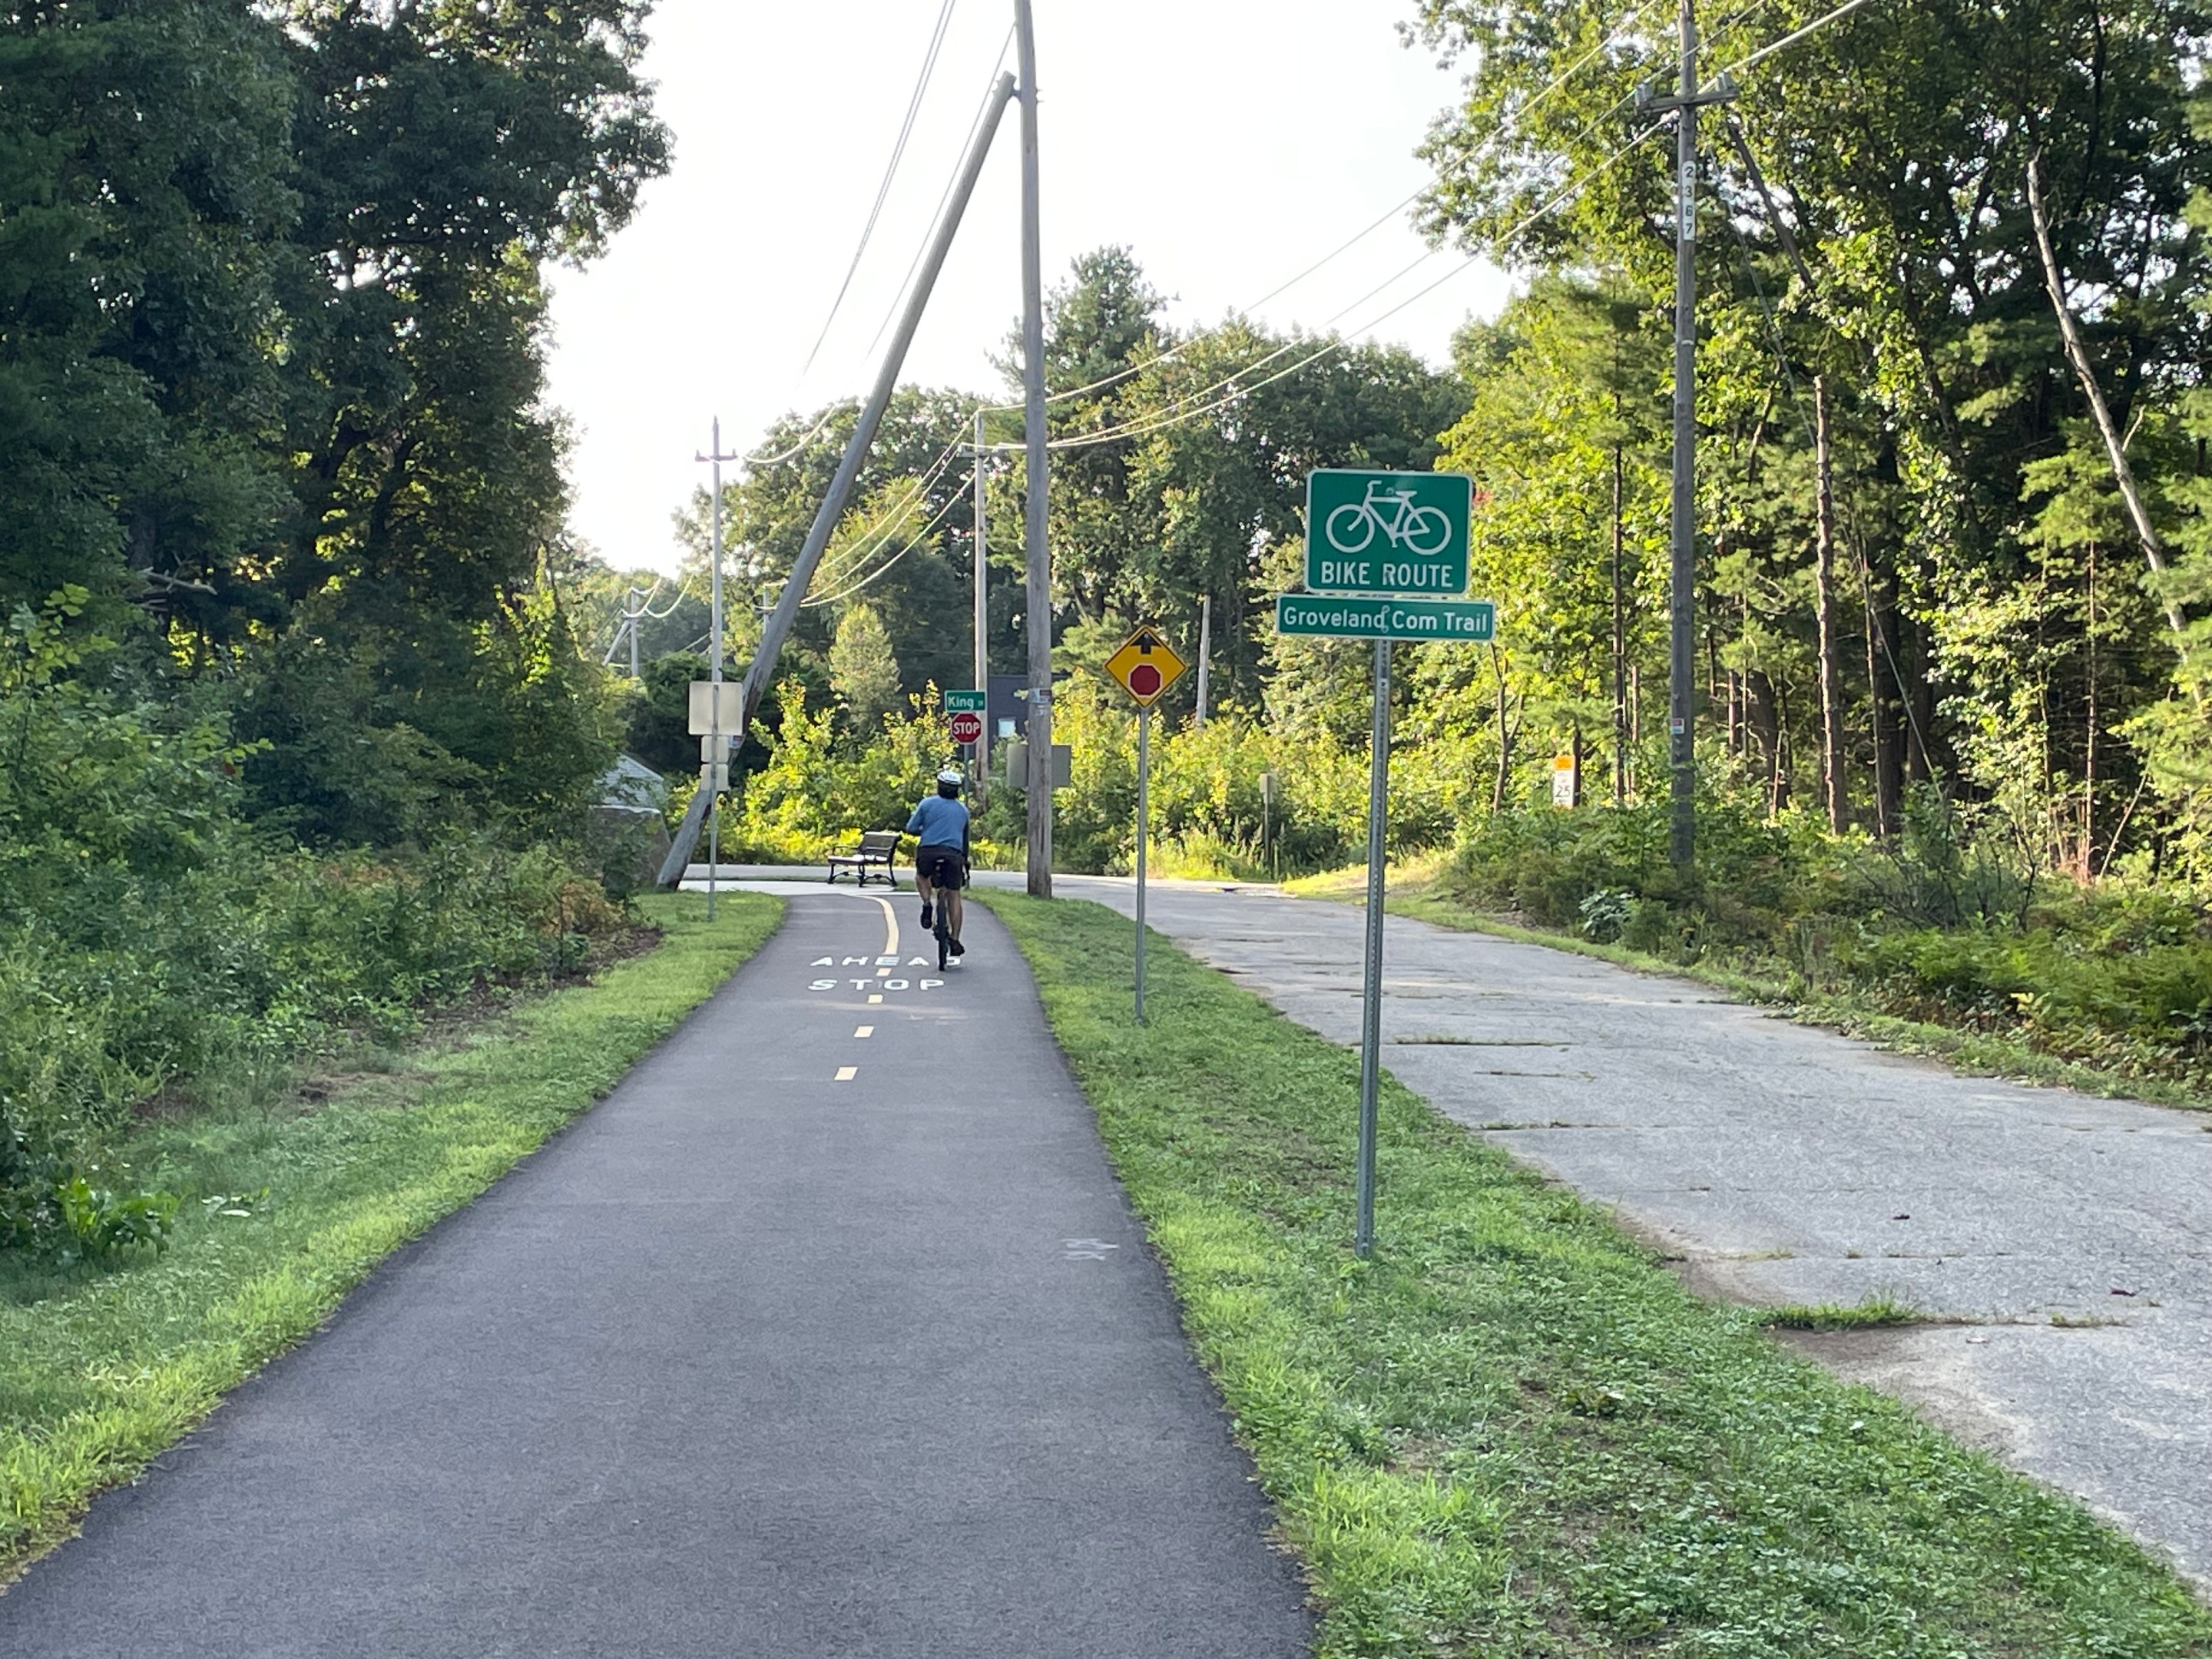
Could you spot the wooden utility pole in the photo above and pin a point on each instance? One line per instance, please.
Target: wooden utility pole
(1619, 649)
(980, 783)
(1682, 645)
(1824, 606)
(1037, 601)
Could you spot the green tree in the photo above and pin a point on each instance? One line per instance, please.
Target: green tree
(864, 672)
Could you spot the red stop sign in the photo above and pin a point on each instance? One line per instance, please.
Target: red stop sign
(1145, 681)
(967, 727)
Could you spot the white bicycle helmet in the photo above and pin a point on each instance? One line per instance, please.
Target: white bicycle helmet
(951, 775)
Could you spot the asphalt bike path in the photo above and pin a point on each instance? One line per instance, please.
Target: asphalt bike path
(2069, 1235)
(828, 1332)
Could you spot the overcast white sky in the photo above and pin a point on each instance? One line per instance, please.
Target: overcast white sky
(1229, 143)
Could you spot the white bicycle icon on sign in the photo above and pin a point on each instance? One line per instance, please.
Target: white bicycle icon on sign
(1414, 529)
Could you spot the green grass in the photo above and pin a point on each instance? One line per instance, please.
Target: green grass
(1511, 1432)
(1871, 1314)
(289, 1206)
(1415, 892)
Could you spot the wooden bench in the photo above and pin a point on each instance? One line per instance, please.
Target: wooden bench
(877, 849)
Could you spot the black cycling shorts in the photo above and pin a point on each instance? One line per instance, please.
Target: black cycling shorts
(941, 866)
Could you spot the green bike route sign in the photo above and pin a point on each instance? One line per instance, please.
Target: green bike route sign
(1358, 618)
(1387, 533)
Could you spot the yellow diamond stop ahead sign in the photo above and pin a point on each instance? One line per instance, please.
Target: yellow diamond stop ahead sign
(1146, 666)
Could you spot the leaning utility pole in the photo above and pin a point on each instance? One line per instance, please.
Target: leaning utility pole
(777, 627)
(1038, 603)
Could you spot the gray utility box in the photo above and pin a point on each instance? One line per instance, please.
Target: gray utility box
(1017, 752)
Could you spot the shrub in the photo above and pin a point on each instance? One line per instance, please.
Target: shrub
(148, 933)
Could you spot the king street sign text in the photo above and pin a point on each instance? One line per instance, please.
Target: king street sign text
(1465, 620)
(1387, 533)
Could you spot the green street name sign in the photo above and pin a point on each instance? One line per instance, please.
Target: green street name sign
(1387, 533)
(1465, 620)
(963, 702)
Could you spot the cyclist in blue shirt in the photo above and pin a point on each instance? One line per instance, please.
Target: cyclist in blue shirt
(940, 825)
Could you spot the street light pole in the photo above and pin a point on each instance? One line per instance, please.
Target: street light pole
(1036, 603)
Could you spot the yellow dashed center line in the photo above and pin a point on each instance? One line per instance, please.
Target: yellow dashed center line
(846, 1073)
(864, 1030)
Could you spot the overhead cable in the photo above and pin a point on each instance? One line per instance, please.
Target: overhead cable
(853, 558)
(983, 112)
(1572, 187)
(1793, 38)
(917, 540)
(1509, 122)
(890, 172)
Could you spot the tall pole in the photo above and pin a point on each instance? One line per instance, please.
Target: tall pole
(1681, 664)
(1205, 651)
(635, 610)
(777, 627)
(979, 783)
(1370, 1013)
(715, 772)
(1620, 650)
(1036, 605)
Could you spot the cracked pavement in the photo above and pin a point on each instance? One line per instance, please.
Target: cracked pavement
(2069, 1237)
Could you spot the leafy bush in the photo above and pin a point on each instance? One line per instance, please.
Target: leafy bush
(1545, 863)
(148, 932)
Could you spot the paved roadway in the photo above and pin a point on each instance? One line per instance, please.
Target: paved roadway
(1787, 1165)
(829, 1332)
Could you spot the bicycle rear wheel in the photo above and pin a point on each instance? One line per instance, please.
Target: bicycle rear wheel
(943, 937)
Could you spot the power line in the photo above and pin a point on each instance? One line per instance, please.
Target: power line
(918, 538)
(890, 172)
(1621, 32)
(1192, 405)
(1170, 418)
(853, 558)
(1512, 121)
(1792, 39)
(645, 611)
(1145, 428)
(808, 437)
(981, 111)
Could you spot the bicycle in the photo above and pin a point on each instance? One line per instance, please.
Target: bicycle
(942, 926)
(1403, 527)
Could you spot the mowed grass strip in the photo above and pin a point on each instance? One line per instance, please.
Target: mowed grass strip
(288, 1209)
(1511, 1432)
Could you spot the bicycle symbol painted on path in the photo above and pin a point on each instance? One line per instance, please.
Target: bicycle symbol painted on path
(1405, 526)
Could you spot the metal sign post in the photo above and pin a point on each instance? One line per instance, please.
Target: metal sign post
(1384, 553)
(1144, 665)
(1370, 1012)
(1144, 831)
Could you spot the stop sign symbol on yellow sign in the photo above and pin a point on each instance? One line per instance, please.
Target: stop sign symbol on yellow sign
(1146, 666)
